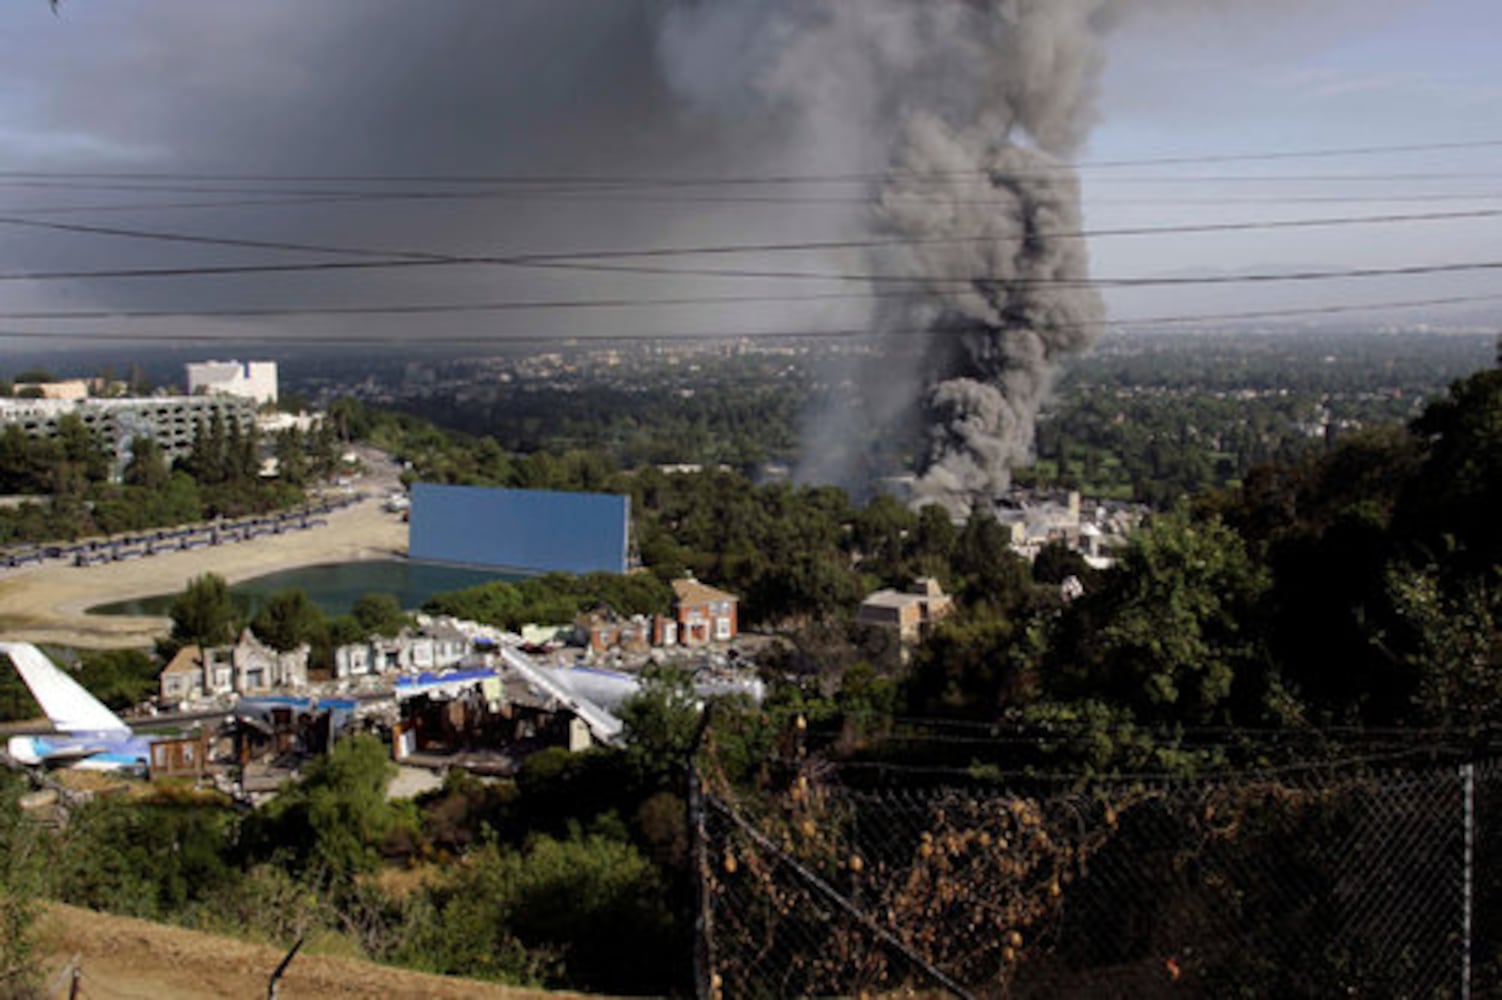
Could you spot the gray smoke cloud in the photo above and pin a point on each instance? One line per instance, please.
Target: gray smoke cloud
(959, 101)
(968, 102)
(1003, 309)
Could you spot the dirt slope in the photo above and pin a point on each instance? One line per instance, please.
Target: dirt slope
(125, 959)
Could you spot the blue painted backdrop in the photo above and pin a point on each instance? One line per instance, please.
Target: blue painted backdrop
(534, 530)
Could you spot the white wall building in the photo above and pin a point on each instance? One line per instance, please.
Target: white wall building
(436, 646)
(254, 379)
(249, 667)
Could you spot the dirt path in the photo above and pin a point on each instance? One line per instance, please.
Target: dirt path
(126, 959)
(47, 603)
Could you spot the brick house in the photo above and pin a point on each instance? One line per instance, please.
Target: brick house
(702, 613)
(603, 629)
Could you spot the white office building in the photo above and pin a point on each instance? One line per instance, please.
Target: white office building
(253, 380)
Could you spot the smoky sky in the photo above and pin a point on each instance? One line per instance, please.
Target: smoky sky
(350, 87)
(568, 87)
(388, 88)
(574, 87)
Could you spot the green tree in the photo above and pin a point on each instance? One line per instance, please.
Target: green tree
(1453, 502)
(287, 620)
(291, 458)
(975, 665)
(1171, 631)
(380, 614)
(203, 614)
(20, 891)
(82, 459)
(989, 571)
(147, 467)
(119, 677)
(1453, 644)
(334, 821)
(936, 536)
(660, 723)
(1056, 562)
(882, 532)
(147, 860)
(587, 912)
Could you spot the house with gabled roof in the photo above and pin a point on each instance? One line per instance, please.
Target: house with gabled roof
(703, 614)
(247, 667)
(182, 678)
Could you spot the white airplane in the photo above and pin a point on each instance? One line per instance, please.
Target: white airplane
(91, 737)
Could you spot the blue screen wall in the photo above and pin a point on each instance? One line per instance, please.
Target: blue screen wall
(536, 530)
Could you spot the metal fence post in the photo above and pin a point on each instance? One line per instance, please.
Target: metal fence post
(274, 984)
(703, 916)
(1468, 784)
(704, 986)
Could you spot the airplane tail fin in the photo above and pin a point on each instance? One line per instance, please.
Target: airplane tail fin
(67, 704)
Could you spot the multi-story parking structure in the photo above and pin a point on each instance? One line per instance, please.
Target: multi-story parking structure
(171, 421)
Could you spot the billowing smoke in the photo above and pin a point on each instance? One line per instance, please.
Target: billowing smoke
(970, 104)
(1001, 309)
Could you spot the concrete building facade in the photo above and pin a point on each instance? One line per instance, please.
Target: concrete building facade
(433, 648)
(71, 389)
(254, 380)
(249, 667)
(171, 421)
(910, 613)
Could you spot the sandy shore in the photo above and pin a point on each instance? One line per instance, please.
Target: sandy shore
(47, 603)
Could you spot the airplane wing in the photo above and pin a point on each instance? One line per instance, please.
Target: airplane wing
(605, 726)
(67, 704)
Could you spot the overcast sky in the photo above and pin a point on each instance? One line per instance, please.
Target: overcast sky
(604, 88)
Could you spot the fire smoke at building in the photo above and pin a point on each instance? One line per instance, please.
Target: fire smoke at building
(972, 106)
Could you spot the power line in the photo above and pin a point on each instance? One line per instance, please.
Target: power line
(541, 261)
(366, 199)
(588, 260)
(1302, 154)
(548, 305)
(533, 305)
(493, 338)
(626, 179)
(538, 186)
(800, 246)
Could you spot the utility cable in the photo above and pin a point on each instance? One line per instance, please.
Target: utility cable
(795, 246)
(549, 305)
(1275, 155)
(516, 338)
(588, 261)
(362, 200)
(978, 281)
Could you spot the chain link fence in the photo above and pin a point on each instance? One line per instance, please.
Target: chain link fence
(1306, 884)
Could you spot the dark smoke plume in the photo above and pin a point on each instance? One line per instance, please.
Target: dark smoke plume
(1001, 310)
(967, 101)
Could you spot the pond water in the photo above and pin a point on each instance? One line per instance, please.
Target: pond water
(334, 587)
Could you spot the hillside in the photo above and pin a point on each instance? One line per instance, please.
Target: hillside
(125, 958)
